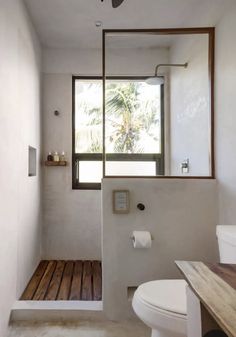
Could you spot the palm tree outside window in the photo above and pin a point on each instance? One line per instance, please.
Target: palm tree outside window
(134, 130)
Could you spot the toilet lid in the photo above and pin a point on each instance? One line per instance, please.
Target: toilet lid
(169, 295)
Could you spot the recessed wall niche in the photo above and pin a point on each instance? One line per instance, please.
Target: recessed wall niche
(32, 161)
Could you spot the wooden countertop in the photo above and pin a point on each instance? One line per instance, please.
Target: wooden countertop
(215, 286)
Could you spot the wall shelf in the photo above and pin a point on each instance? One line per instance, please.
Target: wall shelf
(56, 163)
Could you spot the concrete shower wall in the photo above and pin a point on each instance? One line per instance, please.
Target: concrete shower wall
(189, 105)
(88, 62)
(20, 127)
(72, 218)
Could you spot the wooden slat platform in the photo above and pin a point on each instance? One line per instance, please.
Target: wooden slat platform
(65, 281)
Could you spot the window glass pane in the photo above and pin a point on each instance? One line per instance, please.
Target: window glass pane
(88, 116)
(129, 168)
(133, 126)
(133, 117)
(90, 171)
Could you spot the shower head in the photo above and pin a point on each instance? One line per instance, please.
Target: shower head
(158, 80)
(155, 80)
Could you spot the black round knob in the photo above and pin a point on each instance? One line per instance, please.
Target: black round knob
(56, 113)
(141, 207)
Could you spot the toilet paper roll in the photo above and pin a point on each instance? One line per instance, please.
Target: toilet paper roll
(142, 239)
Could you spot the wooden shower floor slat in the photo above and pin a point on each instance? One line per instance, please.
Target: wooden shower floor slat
(97, 280)
(76, 284)
(54, 285)
(65, 281)
(35, 280)
(65, 287)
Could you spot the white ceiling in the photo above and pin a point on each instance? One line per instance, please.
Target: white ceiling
(71, 23)
(136, 41)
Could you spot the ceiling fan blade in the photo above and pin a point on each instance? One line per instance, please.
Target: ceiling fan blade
(116, 3)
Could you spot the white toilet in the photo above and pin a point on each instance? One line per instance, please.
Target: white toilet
(161, 304)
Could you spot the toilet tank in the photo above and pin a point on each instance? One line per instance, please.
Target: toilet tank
(227, 243)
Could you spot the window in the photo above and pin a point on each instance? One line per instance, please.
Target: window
(134, 130)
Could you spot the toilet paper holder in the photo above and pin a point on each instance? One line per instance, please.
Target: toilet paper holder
(132, 238)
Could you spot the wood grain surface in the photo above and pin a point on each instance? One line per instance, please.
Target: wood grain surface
(65, 281)
(213, 286)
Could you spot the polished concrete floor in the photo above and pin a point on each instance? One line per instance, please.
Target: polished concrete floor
(82, 329)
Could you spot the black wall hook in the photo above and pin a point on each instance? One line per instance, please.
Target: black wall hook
(141, 207)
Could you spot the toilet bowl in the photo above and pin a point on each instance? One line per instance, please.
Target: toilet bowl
(161, 305)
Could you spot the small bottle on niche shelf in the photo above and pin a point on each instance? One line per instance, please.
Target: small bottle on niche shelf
(50, 156)
(63, 156)
(56, 156)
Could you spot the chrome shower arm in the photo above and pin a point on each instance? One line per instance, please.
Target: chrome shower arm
(170, 65)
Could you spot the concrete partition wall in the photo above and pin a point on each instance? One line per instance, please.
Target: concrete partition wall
(20, 126)
(180, 214)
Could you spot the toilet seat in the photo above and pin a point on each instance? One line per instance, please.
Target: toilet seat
(161, 305)
(165, 295)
